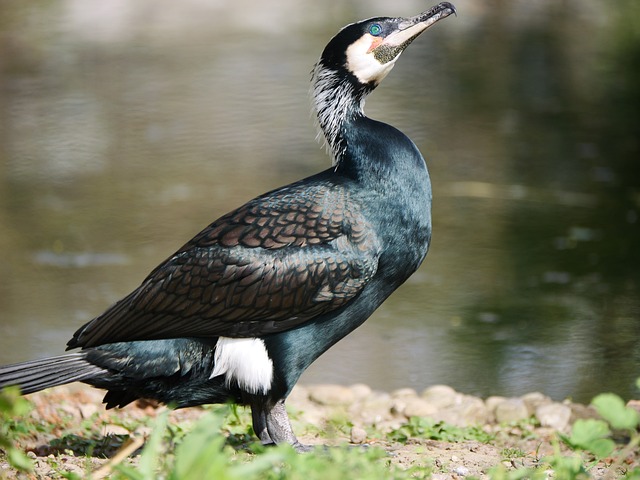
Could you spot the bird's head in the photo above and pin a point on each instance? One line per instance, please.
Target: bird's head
(355, 61)
(367, 50)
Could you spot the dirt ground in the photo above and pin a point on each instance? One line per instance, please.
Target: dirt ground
(78, 423)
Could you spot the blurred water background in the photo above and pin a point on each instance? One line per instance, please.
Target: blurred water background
(126, 127)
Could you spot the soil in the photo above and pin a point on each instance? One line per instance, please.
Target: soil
(332, 415)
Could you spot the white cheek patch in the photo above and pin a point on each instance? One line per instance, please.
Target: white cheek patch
(245, 361)
(362, 62)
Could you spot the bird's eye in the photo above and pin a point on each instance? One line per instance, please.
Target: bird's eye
(375, 29)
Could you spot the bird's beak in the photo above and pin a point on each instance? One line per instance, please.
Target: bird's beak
(409, 28)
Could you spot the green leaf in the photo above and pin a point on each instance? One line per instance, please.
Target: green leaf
(602, 447)
(586, 431)
(591, 435)
(18, 460)
(612, 408)
(12, 404)
(152, 455)
(200, 453)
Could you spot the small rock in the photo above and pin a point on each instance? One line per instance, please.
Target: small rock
(470, 411)
(579, 411)
(373, 409)
(404, 393)
(331, 394)
(440, 396)
(417, 407)
(73, 468)
(492, 403)
(361, 391)
(398, 406)
(461, 471)
(358, 435)
(554, 415)
(115, 430)
(535, 399)
(511, 410)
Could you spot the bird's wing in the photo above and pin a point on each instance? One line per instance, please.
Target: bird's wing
(278, 261)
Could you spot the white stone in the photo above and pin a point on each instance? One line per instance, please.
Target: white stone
(331, 394)
(461, 471)
(358, 435)
(361, 391)
(417, 407)
(440, 396)
(554, 415)
(511, 410)
(535, 399)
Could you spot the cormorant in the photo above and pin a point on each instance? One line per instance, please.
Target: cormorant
(242, 309)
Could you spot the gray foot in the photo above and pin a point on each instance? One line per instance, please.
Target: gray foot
(272, 426)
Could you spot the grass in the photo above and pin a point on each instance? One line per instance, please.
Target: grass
(221, 445)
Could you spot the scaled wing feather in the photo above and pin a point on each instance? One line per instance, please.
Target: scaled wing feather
(275, 263)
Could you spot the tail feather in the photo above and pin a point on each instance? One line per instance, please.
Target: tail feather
(37, 375)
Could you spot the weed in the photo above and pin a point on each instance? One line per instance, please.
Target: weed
(422, 427)
(12, 405)
(205, 453)
(509, 453)
(222, 445)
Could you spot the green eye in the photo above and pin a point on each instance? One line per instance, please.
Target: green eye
(375, 29)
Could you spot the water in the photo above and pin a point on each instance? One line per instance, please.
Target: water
(126, 127)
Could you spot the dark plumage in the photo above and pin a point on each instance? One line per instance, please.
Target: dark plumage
(242, 309)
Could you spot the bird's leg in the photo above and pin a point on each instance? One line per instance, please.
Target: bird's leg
(279, 427)
(259, 419)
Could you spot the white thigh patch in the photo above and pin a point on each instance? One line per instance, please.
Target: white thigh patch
(246, 361)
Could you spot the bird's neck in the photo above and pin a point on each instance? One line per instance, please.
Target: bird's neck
(336, 101)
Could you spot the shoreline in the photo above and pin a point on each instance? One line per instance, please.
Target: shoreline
(483, 433)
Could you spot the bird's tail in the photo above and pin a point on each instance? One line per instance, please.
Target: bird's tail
(37, 375)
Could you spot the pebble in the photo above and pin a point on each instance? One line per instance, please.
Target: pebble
(554, 415)
(534, 400)
(579, 411)
(358, 435)
(331, 394)
(79, 471)
(404, 393)
(511, 410)
(492, 403)
(440, 396)
(461, 471)
(469, 411)
(398, 406)
(417, 407)
(361, 391)
(114, 430)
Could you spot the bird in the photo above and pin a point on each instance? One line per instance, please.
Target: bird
(240, 311)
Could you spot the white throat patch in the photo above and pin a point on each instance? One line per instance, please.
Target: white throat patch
(246, 361)
(363, 64)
